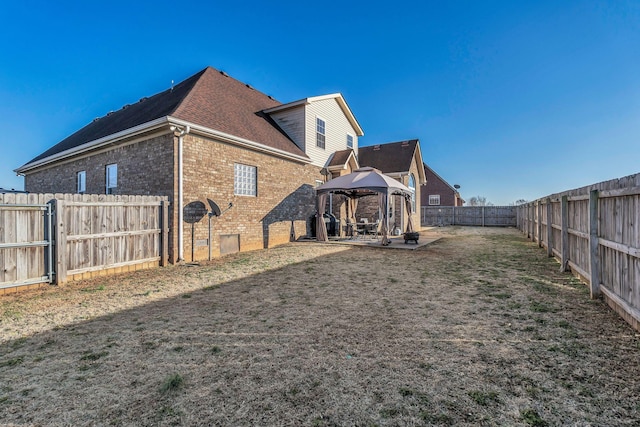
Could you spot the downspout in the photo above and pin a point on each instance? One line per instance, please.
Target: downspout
(180, 133)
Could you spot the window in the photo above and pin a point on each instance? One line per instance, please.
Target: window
(412, 187)
(320, 132)
(434, 199)
(349, 141)
(319, 182)
(81, 182)
(111, 178)
(245, 181)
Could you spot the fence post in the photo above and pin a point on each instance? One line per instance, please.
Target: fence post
(61, 244)
(539, 216)
(164, 256)
(594, 258)
(453, 219)
(483, 216)
(564, 240)
(531, 221)
(549, 229)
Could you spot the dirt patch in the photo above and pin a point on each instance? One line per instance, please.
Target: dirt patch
(479, 328)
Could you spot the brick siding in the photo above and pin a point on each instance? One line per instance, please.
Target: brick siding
(144, 168)
(279, 213)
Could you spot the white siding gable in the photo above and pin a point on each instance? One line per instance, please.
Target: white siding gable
(337, 128)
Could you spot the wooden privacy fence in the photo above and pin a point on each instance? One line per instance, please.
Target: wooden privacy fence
(59, 237)
(595, 232)
(26, 244)
(484, 216)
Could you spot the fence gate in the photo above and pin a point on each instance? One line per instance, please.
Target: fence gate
(26, 247)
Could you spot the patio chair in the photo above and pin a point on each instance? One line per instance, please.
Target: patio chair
(376, 229)
(349, 228)
(361, 227)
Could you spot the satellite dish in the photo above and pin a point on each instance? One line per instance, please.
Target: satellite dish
(456, 186)
(194, 211)
(215, 209)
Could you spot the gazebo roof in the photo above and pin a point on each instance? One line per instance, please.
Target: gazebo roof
(364, 182)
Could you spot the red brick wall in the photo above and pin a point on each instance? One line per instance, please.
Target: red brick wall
(434, 186)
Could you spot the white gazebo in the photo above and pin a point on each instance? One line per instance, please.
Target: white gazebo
(365, 181)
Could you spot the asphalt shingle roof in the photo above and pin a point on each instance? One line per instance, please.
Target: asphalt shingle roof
(209, 98)
(392, 157)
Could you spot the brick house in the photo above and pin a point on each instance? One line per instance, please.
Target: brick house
(209, 137)
(438, 192)
(401, 160)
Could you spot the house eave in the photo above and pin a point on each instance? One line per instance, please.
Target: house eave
(150, 126)
(93, 145)
(232, 139)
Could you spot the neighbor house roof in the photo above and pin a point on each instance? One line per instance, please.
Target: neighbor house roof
(390, 158)
(210, 99)
(393, 158)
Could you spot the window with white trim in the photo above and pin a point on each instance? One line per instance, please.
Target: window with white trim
(320, 132)
(81, 182)
(434, 199)
(319, 182)
(245, 182)
(412, 187)
(349, 141)
(111, 177)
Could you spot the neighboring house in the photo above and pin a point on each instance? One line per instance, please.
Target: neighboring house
(438, 192)
(209, 137)
(401, 160)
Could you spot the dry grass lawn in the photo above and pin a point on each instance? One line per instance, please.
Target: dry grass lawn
(479, 328)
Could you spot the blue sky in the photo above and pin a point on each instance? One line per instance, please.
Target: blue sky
(510, 99)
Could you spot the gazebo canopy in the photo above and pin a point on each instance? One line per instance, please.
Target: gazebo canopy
(364, 182)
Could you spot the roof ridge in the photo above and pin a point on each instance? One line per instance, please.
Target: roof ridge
(190, 92)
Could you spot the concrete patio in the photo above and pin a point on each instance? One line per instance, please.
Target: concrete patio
(428, 235)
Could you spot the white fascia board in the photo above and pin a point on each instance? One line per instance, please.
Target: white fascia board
(92, 145)
(238, 141)
(422, 176)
